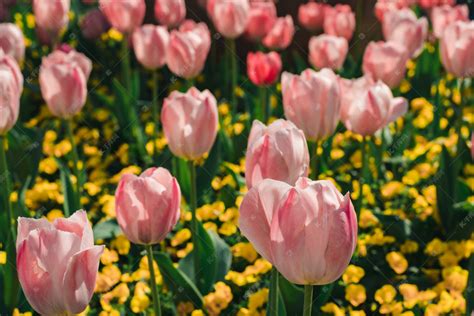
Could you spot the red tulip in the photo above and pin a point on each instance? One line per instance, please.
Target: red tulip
(262, 16)
(428, 4)
(150, 43)
(442, 17)
(170, 12)
(328, 51)
(263, 69)
(11, 86)
(124, 15)
(456, 47)
(230, 17)
(12, 41)
(311, 15)
(339, 21)
(94, 24)
(281, 34)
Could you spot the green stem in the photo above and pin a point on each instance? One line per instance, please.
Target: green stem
(314, 160)
(194, 220)
(75, 161)
(273, 296)
(156, 113)
(363, 175)
(263, 100)
(308, 300)
(154, 290)
(234, 74)
(190, 83)
(126, 71)
(5, 177)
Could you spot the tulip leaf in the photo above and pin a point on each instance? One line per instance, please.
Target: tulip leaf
(223, 256)
(470, 287)
(208, 171)
(106, 230)
(70, 204)
(293, 296)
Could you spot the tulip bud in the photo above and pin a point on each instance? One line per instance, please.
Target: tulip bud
(281, 34)
(311, 15)
(150, 43)
(327, 51)
(262, 16)
(442, 17)
(11, 86)
(339, 21)
(12, 41)
(124, 15)
(384, 6)
(263, 69)
(170, 12)
(51, 17)
(230, 17)
(456, 49)
(190, 122)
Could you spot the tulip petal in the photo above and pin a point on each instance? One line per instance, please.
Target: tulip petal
(79, 225)
(27, 225)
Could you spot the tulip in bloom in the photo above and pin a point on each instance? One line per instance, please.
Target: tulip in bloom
(368, 106)
(456, 47)
(384, 6)
(277, 152)
(9, 64)
(63, 82)
(281, 34)
(51, 16)
(147, 206)
(230, 17)
(263, 69)
(339, 21)
(150, 43)
(124, 15)
(57, 263)
(188, 49)
(385, 61)
(12, 41)
(311, 15)
(442, 17)
(327, 51)
(262, 16)
(307, 231)
(170, 12)
(11, 86)
(190, 122)
(94, 24)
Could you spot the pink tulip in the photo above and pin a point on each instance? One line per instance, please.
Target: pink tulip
(312, 101)
(262, 16)
(170, 12)
(404, 27)
(368, 106)
(442, 17)
(57, 263)
(51, 16)
(11, 86)
(63, 82)
(339, 21)
(147, 206)
(9, 64)
(327, 51)
(263, 69)
(190, 122)
(188, 49)
(456, 47)
(281, 34)
(311, 15)
(94, 24)
(428, 4)
(12, 41)
(307, 231)
(124, 15)
(150, 43)
(277, 152)
(385, 61)
(230, 17)
(384, 6)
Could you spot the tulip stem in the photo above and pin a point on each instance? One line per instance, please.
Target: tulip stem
(194, 220)
(5, 177)
(126, 72)
(308, 300)
(263, 100)
(75, 161)
(234, 74)
(156, 113)
(314, 146)
(154, 290)
(273, 298)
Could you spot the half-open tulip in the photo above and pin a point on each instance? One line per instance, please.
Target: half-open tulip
(281, 34)
(12, 41)
(278, 152)
(384, 6)
(150, 43)
(11, 86)
(124, 15)
(340, 21)
(443, 16)
(230, 17)
(263, 69)
(311, 15)
(368, 106)
(190, 122)
(147, 206)
(9, 64)
(262, 16)
(307, 231)
(188, 49)
(385, 61)
(327, 51)
(51, 16)
(456, 47)
(63, 82)
(312, 101)
(57, 263)
(170, 12)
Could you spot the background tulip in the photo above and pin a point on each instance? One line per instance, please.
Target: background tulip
(456, 47)
(11, 86)
(124, 15)
(188, 49)
(278, 152)
(57, 263)
(262, 16)
(312, 101)
(9, 64)
(427, 4)
(51, 16)
(340, 21)
(385, 61)
(170, 12)
(230, 17)
(190, 122)
(384, 6)
(443, 16)
(147, 206)
(328, 51)
(311, 15)
(150, 43)
(367, 106)
(281, 34)
(263, 69)
(307, 231)
(63, 82)
(94, 24)
(12, 41)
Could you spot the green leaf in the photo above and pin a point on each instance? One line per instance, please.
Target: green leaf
(394, 226)
(293, 296)
(70, 204)
(106, 230)
(470, 287)
(223, 256)
(208, 171)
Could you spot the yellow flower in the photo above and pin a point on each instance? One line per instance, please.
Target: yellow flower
(198, 312)
(109, 256)
(355, 294)
(446, 302)
(139, 303)
(367, 219)
(356, 313)
(391, 189)
(107, 278)
(331, 308)
(219, 300)
(244, 250)
(455, 278)
(3, 257)
(353, 274)
(54, 214)
(385, 294)
(48, 165)
(397, 262)
(120, 293)
(435, 247)
(409, 246)
(180, 237)
(410, 294)
(121, 244)
(258, 299)
(16, 312)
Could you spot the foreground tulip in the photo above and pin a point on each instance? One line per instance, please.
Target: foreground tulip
(456, 47)
(150, 43)
(385, 61)
(277, 152)
(311, 15)
(368, 106)
(262, 16)
(339, 21)
(281, 34)
(263, 69)
(188, 49)
(170, 12)
(51, 17)
(57, 263)
(328, 51)
(124, 15)
(230, 17)
(11, 81)
(12, 41)
(190, 122)
(442, 17)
